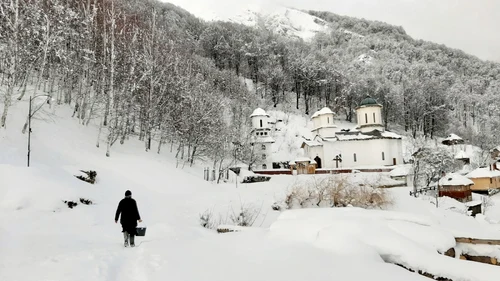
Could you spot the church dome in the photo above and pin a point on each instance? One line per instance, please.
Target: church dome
(323, 111)
(368, 101)
(259, 112)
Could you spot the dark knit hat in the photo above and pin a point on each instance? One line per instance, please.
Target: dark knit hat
(128, 193)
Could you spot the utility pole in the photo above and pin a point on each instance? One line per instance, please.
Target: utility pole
(29, 132)
(30, 115)
(236, 146)
(437, 195)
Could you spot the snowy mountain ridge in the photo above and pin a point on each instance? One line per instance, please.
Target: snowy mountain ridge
(283, 20)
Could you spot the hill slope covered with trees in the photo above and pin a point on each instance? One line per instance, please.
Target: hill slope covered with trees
(151, 69)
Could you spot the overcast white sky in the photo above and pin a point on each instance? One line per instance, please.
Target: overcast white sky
(470, 25)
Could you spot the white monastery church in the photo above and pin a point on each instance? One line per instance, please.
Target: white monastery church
(262, 139)
(368, 144)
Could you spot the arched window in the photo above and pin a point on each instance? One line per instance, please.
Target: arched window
(374, 118)
(355, 157)
(383, 156)
(366, 118)
(264, 166)
(263, 147)
(263, 156)
(261, 123)
(328, 120)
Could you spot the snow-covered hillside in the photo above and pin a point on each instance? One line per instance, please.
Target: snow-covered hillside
(284, 21)
(276, 17)
(42, 239)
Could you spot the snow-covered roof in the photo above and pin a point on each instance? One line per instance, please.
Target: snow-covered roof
(301, 159)
(453, 137)
(324, 110)
(325, 126)
(259, 112)
(483, 173)
(473, 203)
(462, 155)
(455, 179)
(311, 143)
(263, 140)
(400, 171)
(357, 135)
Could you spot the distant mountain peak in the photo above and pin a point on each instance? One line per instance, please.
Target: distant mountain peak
(283, 20)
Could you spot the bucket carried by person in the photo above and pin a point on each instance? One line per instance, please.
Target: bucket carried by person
(141, 231)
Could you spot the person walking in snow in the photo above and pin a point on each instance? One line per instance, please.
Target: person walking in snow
(129, 217)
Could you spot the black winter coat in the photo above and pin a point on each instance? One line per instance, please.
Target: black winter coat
(129, 214)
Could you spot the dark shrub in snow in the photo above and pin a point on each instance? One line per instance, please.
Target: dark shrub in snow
(70, 204)
(90, 178)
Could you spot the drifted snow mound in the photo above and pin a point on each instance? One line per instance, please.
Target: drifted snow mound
(385, 236)
(40, 188)
(34, 188)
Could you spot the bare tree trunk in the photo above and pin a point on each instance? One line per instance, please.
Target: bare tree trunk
(151, 83)
(99, 133)
(111, 127)
(91, 111)
(13, 49)
(25, 83)
(193, 154)
(45, 50)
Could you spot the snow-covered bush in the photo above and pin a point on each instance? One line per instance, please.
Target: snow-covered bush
(246, 216)
(276, 206)
(208, 220)
(335, 192)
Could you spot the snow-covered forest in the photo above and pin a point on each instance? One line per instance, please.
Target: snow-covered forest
(141, 67)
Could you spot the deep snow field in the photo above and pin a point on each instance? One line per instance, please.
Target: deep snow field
(42, 239)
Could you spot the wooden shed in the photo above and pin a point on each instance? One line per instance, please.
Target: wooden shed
(485, 179)
(455, 186)
(402, 173)
(303, 166)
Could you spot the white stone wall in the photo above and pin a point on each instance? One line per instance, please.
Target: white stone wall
(326, 132)
(372, 114)
(368, 153)
(259, 152)
(324, 125)
(256, 122)
(313, 151)
(322, 120)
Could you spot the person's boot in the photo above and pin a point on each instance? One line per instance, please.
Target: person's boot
(132, 244)
(125, 236)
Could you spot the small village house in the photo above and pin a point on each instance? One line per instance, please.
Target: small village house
(452, 139)
(402, 173)
(495, 153)
(303, 165)
(485, 179)
(455, 186)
